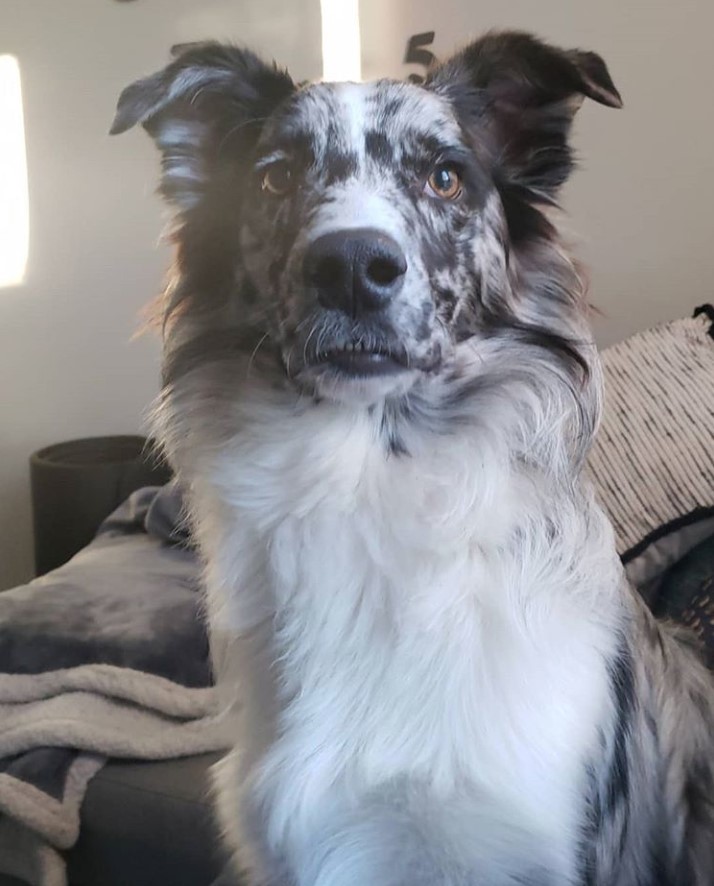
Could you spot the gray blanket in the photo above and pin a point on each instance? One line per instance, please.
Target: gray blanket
(105, 657)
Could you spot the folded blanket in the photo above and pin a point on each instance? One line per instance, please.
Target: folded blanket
(105, 657)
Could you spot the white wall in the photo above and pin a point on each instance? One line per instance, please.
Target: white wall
(68, 367)
(641, 202)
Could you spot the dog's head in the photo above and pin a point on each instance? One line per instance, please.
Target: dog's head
(364, 234)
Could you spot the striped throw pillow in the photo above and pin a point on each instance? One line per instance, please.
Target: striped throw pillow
(653, 461)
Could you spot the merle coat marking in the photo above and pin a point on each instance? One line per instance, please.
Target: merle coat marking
(440, 675)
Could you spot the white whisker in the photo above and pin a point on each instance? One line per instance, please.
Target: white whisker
(255, 351)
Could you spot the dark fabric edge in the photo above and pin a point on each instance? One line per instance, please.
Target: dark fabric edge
(708, 311)
(701, 513)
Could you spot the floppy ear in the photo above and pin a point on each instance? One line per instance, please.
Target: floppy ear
(210, 101)
(520, 95)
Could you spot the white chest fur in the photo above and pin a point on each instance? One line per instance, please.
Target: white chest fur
(430, 626)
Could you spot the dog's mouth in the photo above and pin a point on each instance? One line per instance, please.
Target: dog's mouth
(357, 360)
(357, 368)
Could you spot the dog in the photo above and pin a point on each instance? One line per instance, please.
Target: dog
(380, 389)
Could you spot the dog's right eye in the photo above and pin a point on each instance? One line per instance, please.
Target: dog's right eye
(277, 178)
(444, 182)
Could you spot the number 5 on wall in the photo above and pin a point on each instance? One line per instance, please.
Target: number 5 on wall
(417, 55)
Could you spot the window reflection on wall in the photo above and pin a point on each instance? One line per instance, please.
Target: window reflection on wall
(14, 209)
(341, 48)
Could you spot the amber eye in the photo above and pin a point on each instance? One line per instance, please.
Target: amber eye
(444, 182)
(277, 178)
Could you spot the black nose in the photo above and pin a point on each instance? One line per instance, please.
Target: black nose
(355, 270)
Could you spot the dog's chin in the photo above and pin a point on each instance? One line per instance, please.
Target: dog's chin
(358, 386)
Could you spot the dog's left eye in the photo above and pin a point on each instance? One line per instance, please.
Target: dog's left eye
(444, 182)
(277, 178)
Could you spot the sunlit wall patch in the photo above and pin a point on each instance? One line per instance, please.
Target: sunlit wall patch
(341, 43)
(14, 203)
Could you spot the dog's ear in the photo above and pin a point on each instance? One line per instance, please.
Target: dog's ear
(520, 96)
(211, 100)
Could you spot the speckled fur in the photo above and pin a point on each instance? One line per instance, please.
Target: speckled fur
(439, 674)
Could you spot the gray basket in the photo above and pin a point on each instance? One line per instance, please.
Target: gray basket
(76, 484)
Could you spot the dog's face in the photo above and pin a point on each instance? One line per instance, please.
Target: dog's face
(368, 213)
(366, 231)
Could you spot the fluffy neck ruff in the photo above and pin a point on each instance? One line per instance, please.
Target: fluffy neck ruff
(416, 486)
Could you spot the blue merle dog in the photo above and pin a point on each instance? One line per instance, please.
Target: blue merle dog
(380, 390)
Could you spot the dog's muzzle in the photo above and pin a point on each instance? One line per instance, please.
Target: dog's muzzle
(357, 273)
